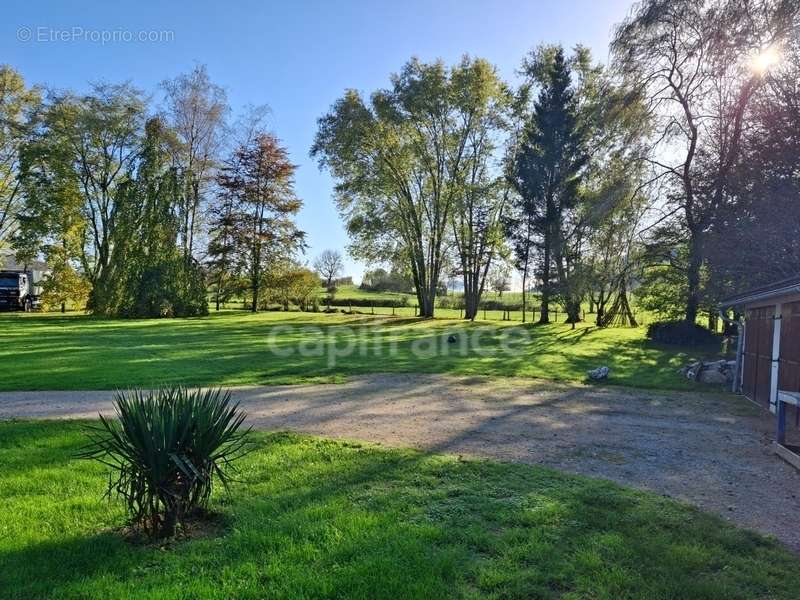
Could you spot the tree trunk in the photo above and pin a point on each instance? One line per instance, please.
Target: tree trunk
(573, 309)
(426, 309)
(545, 316)
(470, 300)
(254, 288)
(693, 276)
(524, 293)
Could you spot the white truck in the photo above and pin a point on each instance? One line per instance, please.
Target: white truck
(20, 289)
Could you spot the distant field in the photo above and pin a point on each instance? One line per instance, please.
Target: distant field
(353, 291)
(380, 304)
(53, 351)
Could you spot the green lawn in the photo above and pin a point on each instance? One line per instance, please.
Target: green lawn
(51, 351)
(313, 518)
(345, 292)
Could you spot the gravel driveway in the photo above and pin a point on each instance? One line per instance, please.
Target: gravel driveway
(710, 450)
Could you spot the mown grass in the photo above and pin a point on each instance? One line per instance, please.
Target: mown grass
(346, 292)
(313, 518)
(50, 351)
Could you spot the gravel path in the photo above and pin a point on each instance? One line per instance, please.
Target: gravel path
(710, 450)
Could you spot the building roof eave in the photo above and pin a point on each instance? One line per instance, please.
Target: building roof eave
(774, 290)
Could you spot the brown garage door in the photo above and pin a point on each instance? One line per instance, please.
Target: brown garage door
(758, 354)
(789, 365)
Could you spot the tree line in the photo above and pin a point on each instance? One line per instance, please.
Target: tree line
(140, 208)
(671, 173)
(661, 172)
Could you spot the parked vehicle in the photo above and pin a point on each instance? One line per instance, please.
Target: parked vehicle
(20, 290)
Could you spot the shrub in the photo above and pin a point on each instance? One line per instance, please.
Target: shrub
(499, 305)
(681, 333)
(450, 301)
(370, 302)
(165, 449)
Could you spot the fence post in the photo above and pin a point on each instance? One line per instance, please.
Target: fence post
(392, 309)
(415, 310)
(556, 315)
(484, 314)
(460, 313)
(372, 307)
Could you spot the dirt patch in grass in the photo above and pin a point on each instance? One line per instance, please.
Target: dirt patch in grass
(200, 524)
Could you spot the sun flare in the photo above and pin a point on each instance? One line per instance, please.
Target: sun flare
(766, 59)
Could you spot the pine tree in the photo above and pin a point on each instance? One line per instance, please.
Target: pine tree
(547, 174)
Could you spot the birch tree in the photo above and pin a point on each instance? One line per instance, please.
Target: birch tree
(196, 110)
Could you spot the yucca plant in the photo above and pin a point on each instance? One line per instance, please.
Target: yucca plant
(166, 448)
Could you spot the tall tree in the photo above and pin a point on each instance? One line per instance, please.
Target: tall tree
(613, 256)
(478, 209)
(99, 138)
(17, 105)
(401, 162)
(147, 275)
(694, 62)
(196, 110)
(519, 226)
(259, 178)
(547, 171)
(221, 252)
(755, 238)
(50, 218)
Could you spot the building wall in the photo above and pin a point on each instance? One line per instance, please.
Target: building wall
(772, 350)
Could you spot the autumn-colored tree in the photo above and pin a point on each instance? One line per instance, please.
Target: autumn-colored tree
(258, 179)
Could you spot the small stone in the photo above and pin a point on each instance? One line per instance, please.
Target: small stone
(599, 373)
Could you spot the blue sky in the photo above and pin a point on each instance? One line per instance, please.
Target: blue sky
(297, 57)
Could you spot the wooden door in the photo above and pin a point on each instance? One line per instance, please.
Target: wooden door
(758, 354)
